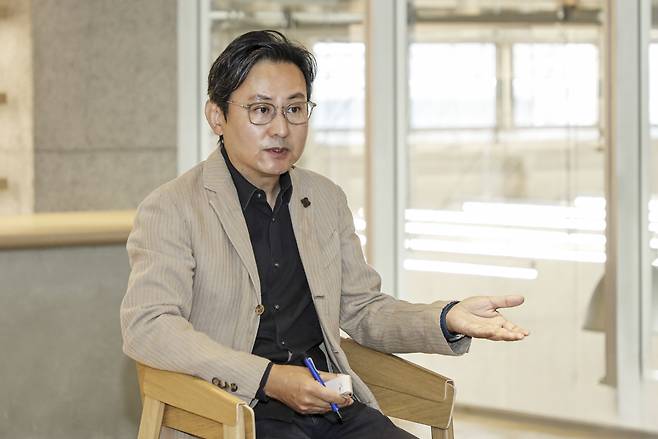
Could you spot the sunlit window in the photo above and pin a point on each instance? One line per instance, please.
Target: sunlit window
(555, 85)
(653, 83)
(452, 85)
(339, 89)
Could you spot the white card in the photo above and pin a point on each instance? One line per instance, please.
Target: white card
(342, 385)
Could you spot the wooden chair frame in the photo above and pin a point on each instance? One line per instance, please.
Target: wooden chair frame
(186, 403)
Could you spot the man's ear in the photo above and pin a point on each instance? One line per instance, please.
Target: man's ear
(215, 117)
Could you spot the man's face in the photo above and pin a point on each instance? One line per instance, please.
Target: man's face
(263, 152)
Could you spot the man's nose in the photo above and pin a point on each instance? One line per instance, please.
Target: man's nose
(279, 125)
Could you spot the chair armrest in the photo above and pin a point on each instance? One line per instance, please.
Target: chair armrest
(191, 394)
(403, 390)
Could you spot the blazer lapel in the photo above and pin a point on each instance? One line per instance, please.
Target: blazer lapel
(223, 198)
(301, 215)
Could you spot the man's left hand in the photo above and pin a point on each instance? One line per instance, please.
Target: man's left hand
(478, 317)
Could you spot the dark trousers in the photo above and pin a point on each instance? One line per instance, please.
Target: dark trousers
(363, 424)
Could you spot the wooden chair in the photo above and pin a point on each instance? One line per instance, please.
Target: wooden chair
(403, 390)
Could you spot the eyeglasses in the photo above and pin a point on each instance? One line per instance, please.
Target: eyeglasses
(262, 113)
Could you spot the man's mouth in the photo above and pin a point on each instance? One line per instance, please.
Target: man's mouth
(277, 150)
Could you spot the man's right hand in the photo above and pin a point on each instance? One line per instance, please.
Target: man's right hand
(295, 387)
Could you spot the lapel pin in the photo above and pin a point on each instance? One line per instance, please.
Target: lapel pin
(305, 202)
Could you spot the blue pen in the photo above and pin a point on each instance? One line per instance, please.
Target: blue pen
(308, 361)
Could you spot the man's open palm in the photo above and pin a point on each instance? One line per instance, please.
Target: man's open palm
(478, 317)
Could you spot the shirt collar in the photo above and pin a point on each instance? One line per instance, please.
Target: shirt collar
(245, 189)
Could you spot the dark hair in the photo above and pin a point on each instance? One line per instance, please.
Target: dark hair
(232, 66)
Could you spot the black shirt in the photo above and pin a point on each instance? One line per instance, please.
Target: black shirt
(289, 327)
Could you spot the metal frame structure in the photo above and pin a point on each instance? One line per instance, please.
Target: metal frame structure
(628, 281)
(386, 45)
(189, 97)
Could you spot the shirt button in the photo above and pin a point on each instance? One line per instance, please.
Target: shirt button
(276, 307)
(276, 265)
(260, 309)
(283, 342)
(273, 220)
(258, 195)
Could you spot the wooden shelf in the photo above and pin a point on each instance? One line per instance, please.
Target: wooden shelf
(65, 229)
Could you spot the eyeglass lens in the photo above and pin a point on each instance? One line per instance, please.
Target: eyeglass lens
(262, 113)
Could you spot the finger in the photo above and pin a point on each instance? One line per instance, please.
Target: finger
(510, 326)
(494, 333)
(345, 403)
(506, 335)
(314, 404)
(315, 409)
(322, 407)
(480, 331)
(506, 301)
(515, 328)
(328, 395)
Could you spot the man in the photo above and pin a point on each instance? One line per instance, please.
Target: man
(245, 265)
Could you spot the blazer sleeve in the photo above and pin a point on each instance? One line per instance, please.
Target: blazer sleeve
(156, 308)
(378, 320)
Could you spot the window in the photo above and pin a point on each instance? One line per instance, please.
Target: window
(653, 86)
(505, 193)
(555, 84)
(452, 85)
(339, 89)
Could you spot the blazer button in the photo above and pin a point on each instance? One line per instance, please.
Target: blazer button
(260, 309)
(234, 387)
(215, 381)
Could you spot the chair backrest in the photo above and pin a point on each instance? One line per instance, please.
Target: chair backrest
(191, 405)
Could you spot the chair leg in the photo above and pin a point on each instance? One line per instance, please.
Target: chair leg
(151, 422)
(438, 433)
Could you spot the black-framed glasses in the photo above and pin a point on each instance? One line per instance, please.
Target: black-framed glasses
(262, 113)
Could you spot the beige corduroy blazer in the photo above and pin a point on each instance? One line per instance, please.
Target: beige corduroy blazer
(193, 293)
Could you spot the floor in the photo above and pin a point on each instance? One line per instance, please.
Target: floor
(475, 425)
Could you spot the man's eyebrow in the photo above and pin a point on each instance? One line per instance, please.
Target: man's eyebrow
(260, 97)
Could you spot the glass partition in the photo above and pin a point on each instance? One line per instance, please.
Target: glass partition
(555, 84)
(462, 95)
(653, 203)
(506, 192)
